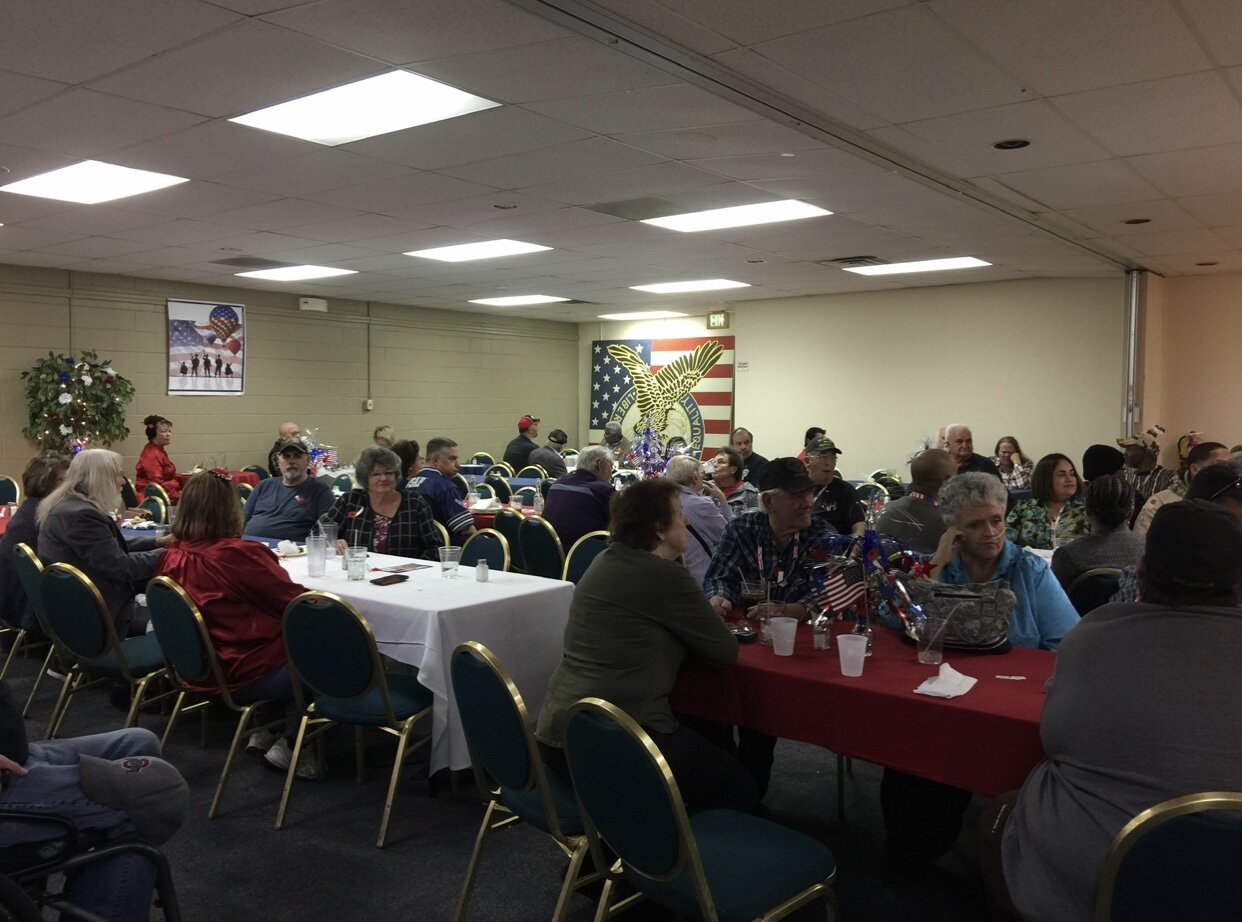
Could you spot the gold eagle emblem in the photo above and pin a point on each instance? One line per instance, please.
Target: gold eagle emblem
(658, 393)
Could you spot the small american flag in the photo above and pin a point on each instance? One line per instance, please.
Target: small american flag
(842, 587)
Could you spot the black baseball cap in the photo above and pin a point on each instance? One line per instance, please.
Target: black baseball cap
(292, 445)
(785, 474)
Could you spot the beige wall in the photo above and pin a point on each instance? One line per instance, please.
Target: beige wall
(468, 376)
(1201, 331)
(1039, 359)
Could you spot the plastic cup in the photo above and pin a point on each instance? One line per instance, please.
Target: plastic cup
(931, 641)
(356, 562)
(766, 611)
(328, 530)
(853, 651)
(784, 630)
(316, 549)
(450, 557)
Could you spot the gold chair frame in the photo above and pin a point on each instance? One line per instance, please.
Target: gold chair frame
(159, 504)
(590, 535)
(688, 859)
(400, 729)
(28, 552)
(445, 540)
(539, 472)
(482, 454)
(538, 521)
(73, 679)
(160, 492)
(17, 487)
(575, 848)
(205, 700)
(504, 544)
(1144, 823)
(508, 512)
(460, 479)
(503, 468)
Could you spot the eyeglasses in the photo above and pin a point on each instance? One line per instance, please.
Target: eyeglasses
(1236, 485)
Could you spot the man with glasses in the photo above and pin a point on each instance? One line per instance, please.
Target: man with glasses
(288, 431)
(836, 501)
(435, 484)
(578, 502)
(287, 506)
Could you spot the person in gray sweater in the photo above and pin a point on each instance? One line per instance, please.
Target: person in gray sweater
(1110, 543)
(636, 615)
(1143, 707)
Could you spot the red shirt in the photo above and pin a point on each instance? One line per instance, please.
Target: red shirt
(242, 592)
(154, 466)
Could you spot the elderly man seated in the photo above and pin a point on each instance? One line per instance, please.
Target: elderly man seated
(960, 443)
(914, 519)
(287, 432)
(435, 484)
(777, 545)
(578, 502)
(836, 501)
(290, 505)
(706, 510)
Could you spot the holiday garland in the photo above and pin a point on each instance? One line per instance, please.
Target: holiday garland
(75, 402)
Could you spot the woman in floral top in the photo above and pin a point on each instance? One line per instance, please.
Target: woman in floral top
(1055, 514)
(1014, 467)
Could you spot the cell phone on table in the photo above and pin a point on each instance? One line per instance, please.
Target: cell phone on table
(389, 580)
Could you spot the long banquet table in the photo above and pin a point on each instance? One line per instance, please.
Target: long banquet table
(985, 741)
(420, 622)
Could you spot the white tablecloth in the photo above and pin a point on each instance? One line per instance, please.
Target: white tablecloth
(520, 618)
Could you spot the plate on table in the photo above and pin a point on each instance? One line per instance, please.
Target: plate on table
(300, 552)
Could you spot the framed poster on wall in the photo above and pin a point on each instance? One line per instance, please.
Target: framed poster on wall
(206, 349)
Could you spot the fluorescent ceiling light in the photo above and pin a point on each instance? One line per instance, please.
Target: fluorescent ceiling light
(672, 288)
(377, 105)
(923, 265)
(518, 300)
(486, 249)
(91, 181)
(296, 273)
(642, 315)
(739, 216)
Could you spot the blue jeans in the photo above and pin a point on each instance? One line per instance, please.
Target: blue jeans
(277, 686)
(117, 888)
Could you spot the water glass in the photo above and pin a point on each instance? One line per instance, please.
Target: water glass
(328, 531)
(931, 640)
(450, 557)
(356, 562)
(766, 612)
(315, 554)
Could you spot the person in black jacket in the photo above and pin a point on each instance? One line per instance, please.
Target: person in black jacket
(41, 477)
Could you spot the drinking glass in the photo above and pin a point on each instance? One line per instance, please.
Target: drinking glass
(450, 557)
(315, 552)
(356, 562)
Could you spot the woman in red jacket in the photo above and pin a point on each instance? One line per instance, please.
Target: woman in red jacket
(154, 465)
(242, 592)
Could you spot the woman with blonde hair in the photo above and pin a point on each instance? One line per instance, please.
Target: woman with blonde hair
(78, 526)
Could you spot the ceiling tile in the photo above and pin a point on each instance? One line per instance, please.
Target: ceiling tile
(316, 171)
(15, 237)
(678, 26)
(475, 209)
(86, 220)
(653, 180)
(282, 213)
(21, 91)
(177, 233)
(732, 140)
(1214, 210)
(194, 198)
(357, 228)
(1064, 46)
(661, 107)
(1177, 242)
(399, 192)
(95, 247)
(212, 147)
(1219, 26)
(1098, 183)
(747, 22)
(1109, 220)
(565, 161)
(1193, 172)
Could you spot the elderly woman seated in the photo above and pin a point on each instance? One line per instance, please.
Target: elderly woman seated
(1054, 514)
(380, 517)
(706, 509)
(1109, 505)
(923, 817)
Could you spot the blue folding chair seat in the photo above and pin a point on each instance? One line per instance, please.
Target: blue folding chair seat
(407, 697)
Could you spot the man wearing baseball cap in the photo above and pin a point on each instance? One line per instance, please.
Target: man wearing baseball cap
(1142, 470)
(778, 543)
(549, 457)
(836, 501)
(517, 452)
(287, 506)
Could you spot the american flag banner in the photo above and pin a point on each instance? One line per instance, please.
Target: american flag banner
(206, 348)
(843, 586)
(685, 385)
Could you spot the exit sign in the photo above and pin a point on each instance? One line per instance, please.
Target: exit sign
(718, 320)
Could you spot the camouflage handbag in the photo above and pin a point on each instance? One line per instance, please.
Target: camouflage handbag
(977, 614)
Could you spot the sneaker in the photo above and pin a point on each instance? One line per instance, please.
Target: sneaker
(281, 753)
(261, 741)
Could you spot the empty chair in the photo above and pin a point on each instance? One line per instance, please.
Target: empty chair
(129, 496)
(524, 496)
(332, 650)
(585, 549)
(258, 470)
(500, 487)
(10, 490)
(501, 468)
(30, 572)
(688, 864)
(486, 544)
(509, 770)
(482, 457)
(460, 479)
(191, 658)
(154, 489)
(156, 508)
(343, 482)
(541, 548)
(1093, 588)
(545, 485)
(533, 471)
(1175, 861)
(80, 624)
(508, 523)
(485, 491)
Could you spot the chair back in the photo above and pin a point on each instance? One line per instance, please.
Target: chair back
(486, 544)
(585, 550)
(30, 572)
(258, 470)
(77, 616)
(445, 540)
(154, 489)
(485, 491)
(534, 471)
(1176, 860)
(524, 496)
(1093, 588)
(626, 790)
(343, 482)
(509, 523)
(156, 508)
(183, 635)
(129, 496)
(482, 457)
(622, 479)
(870, 491)
(545, 485)
(541, 548)
(500, 486)
(501, 468)
(331, 648)
(460, 479)
(10, 490)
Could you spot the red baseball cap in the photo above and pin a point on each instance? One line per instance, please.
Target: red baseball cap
(527, 421)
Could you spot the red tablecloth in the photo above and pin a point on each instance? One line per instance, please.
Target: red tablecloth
(488, 519)
(249, 477)
(986, 741)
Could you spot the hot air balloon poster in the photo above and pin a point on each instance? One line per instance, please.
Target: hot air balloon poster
(206, 349)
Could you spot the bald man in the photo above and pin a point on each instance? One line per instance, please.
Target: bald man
(960, 443)
(287, 432)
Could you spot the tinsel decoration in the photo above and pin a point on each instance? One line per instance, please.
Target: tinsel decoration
(647, 454)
